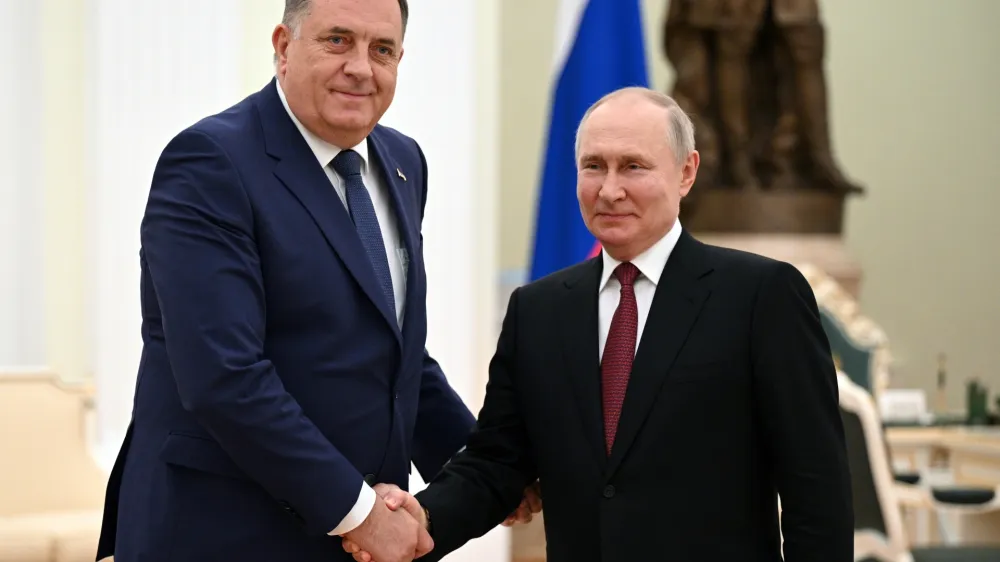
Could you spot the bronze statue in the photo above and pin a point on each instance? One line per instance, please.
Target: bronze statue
(750, 73)
(709, 42)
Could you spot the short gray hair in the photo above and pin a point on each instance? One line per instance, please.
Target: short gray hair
(680, 129)
(297, 10)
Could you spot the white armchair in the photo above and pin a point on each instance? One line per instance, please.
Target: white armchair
(51, 490)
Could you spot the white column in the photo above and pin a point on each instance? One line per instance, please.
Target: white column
(155, 68)
(447, 100)
(62, 65)
(22, 232)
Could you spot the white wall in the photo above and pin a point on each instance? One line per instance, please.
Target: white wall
(447, 100)
(63, 67)
(22, 308)
(182, 62)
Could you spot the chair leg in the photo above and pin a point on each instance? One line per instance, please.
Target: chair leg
(949, 535)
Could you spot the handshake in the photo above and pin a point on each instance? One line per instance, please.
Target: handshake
(391, 534)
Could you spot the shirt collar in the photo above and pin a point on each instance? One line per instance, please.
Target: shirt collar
(650, 262)
(323, 150)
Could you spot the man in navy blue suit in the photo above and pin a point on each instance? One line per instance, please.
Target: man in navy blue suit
(283, 290)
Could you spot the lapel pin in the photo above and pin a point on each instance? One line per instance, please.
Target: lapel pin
(400, 173)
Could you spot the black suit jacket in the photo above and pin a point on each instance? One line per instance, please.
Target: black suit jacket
(732, 400)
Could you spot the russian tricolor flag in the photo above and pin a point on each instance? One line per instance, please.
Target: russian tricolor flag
(599, 49)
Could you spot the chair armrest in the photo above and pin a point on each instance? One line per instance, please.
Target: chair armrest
(907, 477)
(966, 499)
(963, 496)
(912, 496)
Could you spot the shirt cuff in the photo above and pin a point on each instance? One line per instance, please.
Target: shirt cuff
(362, 508)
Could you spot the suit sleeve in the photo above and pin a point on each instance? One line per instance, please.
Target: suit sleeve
(198, 241)
(484, 483)
(444, 422)
(796, 399)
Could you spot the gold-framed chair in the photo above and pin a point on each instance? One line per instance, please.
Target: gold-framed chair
(859, 345)
(879, 531)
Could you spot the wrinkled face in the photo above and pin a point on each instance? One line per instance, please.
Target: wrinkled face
(629, 182)
(339, 71)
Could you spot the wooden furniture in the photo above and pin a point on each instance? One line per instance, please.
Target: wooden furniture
(972, 453)
(51, 490)
(971, 457)
(878, 512)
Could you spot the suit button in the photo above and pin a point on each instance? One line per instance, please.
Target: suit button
(291, 511)
(370, 479)
(609, 491)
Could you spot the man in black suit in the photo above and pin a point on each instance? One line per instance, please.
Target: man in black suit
(665, 392)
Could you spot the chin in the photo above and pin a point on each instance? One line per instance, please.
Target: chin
(347, 122)
(354, 109)
(614, 236)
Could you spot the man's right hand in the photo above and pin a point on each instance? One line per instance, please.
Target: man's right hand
(390, 534)
(392, 498)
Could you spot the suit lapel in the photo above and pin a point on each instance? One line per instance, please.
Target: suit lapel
(301, 174)
(676, 304)
(580, 352)
(395, 183)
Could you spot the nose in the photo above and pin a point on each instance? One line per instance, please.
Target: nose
(358, 66)
(611, 189)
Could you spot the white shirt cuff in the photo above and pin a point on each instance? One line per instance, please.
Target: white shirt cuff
(362, 508)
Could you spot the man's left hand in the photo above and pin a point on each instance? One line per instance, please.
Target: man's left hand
(530, 505)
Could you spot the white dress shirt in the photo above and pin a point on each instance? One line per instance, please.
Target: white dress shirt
(381, 199)
(394, 250)
(650, 264)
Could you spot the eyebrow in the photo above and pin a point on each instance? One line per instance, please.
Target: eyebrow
(623, 156)
(347, 31)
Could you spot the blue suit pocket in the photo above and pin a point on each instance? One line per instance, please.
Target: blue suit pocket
(201, 454)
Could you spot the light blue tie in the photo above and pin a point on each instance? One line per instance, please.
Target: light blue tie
(347, 164)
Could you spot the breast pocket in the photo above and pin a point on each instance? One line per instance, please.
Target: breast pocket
(708, 370)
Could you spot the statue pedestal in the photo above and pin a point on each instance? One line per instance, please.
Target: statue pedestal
(774, 211)
(792, 225)
(827, 252)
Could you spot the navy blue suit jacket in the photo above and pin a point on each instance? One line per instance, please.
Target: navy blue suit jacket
(274, 378)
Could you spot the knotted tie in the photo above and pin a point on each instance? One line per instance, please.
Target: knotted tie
(359, 203)
(619, 351)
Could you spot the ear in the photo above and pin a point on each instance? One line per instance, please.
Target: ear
(281, 37)
(689, 172)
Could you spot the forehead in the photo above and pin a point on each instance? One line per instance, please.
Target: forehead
(627, 125)
(364, 17)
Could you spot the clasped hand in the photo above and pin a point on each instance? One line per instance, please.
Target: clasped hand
(401, 535)
(390, 534)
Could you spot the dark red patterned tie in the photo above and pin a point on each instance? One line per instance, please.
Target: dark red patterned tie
(616, 364)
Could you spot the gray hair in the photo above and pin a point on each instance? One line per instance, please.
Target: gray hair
(680, 129)
(297, 10)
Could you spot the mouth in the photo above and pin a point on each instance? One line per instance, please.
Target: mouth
(350, 95)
